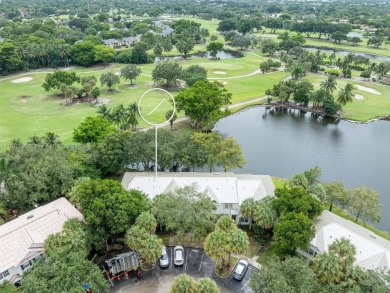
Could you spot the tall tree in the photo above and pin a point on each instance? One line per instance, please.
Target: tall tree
(214, 48)
(92, 130)
(207, 285)
(225, 240)
(100, 200)
(186, 211)
(104, 54)
(292, 232)
(345, 95)
(57, 78)
(364, 203)
(202, 102)
(167, 71)
(231, 156)
(247, 209)
(171, 116)
(329, 84)
(264, 214)
(327, 268)
(109, 79)
(335, 193)
(131, 72)
(184, 284)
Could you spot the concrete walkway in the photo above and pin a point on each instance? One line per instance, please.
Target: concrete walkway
(252, 261)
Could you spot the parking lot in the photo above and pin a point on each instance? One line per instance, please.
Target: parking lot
(197, 264)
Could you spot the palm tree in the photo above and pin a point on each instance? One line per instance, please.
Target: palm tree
(150, 249)
(147, 221)
(332, 56)
(297, 72)
(329, 85)
(239, 241)
(345, 251)
(52, 140)
(135, 236)
(168, 115)
(327, 268)
(207, 285)
(184, 284)
(264, 214)
(104, 112)
(132, 111)
(215, 247)
(345, 95)
(247, 209)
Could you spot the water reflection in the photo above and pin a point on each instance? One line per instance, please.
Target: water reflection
(286, 142)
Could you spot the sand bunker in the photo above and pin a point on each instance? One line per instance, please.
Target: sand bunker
(222, 82)
(117, 73)
(368, 90)
(359, 97)
(219, 72)
(23, 79)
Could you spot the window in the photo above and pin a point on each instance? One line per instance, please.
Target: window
(227, 206)
(26, 265)
(4, 274)
(311, 252)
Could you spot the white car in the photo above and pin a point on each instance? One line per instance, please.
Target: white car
(164, 259)
(178, 255)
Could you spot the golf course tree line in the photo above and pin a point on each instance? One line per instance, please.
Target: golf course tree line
(79, 43)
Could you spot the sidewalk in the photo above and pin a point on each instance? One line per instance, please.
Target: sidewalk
(251, 261)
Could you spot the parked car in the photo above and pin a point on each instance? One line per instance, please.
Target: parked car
(164, 259)
(240, 269)
(178, 255)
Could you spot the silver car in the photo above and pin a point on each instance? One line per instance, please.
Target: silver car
(178, 255)
(240, 269)
(164, 259)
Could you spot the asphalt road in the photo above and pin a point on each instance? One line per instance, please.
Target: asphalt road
(197, 264)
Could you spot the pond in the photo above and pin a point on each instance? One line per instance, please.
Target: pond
(354, 34)
(345, 53)
(220, 55)
(284, 143)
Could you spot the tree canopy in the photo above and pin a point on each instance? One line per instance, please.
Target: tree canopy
(108, 208)
(202, 102)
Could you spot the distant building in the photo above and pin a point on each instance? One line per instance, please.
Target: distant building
(227, 190)
(22, 239)
(112, 43)
(372, 251)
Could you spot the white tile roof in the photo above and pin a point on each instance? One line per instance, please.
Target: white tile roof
(26, 234)
(221, 187)
(372, 251)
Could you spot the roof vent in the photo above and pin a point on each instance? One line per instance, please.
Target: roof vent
(30, 217)
(372, 236)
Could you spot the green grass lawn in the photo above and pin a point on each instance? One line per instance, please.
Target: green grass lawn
(265, 257)
(27, 110)
(279, 182)
(370, 107)
(314, 41)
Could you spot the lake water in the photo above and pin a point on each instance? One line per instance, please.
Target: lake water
(283, 143)
(345, 53)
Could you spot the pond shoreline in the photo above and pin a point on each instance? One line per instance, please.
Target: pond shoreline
(317, 112)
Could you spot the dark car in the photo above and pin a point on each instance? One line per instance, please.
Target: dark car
(240, 269)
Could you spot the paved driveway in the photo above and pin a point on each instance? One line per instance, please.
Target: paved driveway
(197, 264)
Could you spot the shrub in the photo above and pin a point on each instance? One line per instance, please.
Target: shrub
(333, 72)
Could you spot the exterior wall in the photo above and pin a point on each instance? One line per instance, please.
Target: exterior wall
(18, 270)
